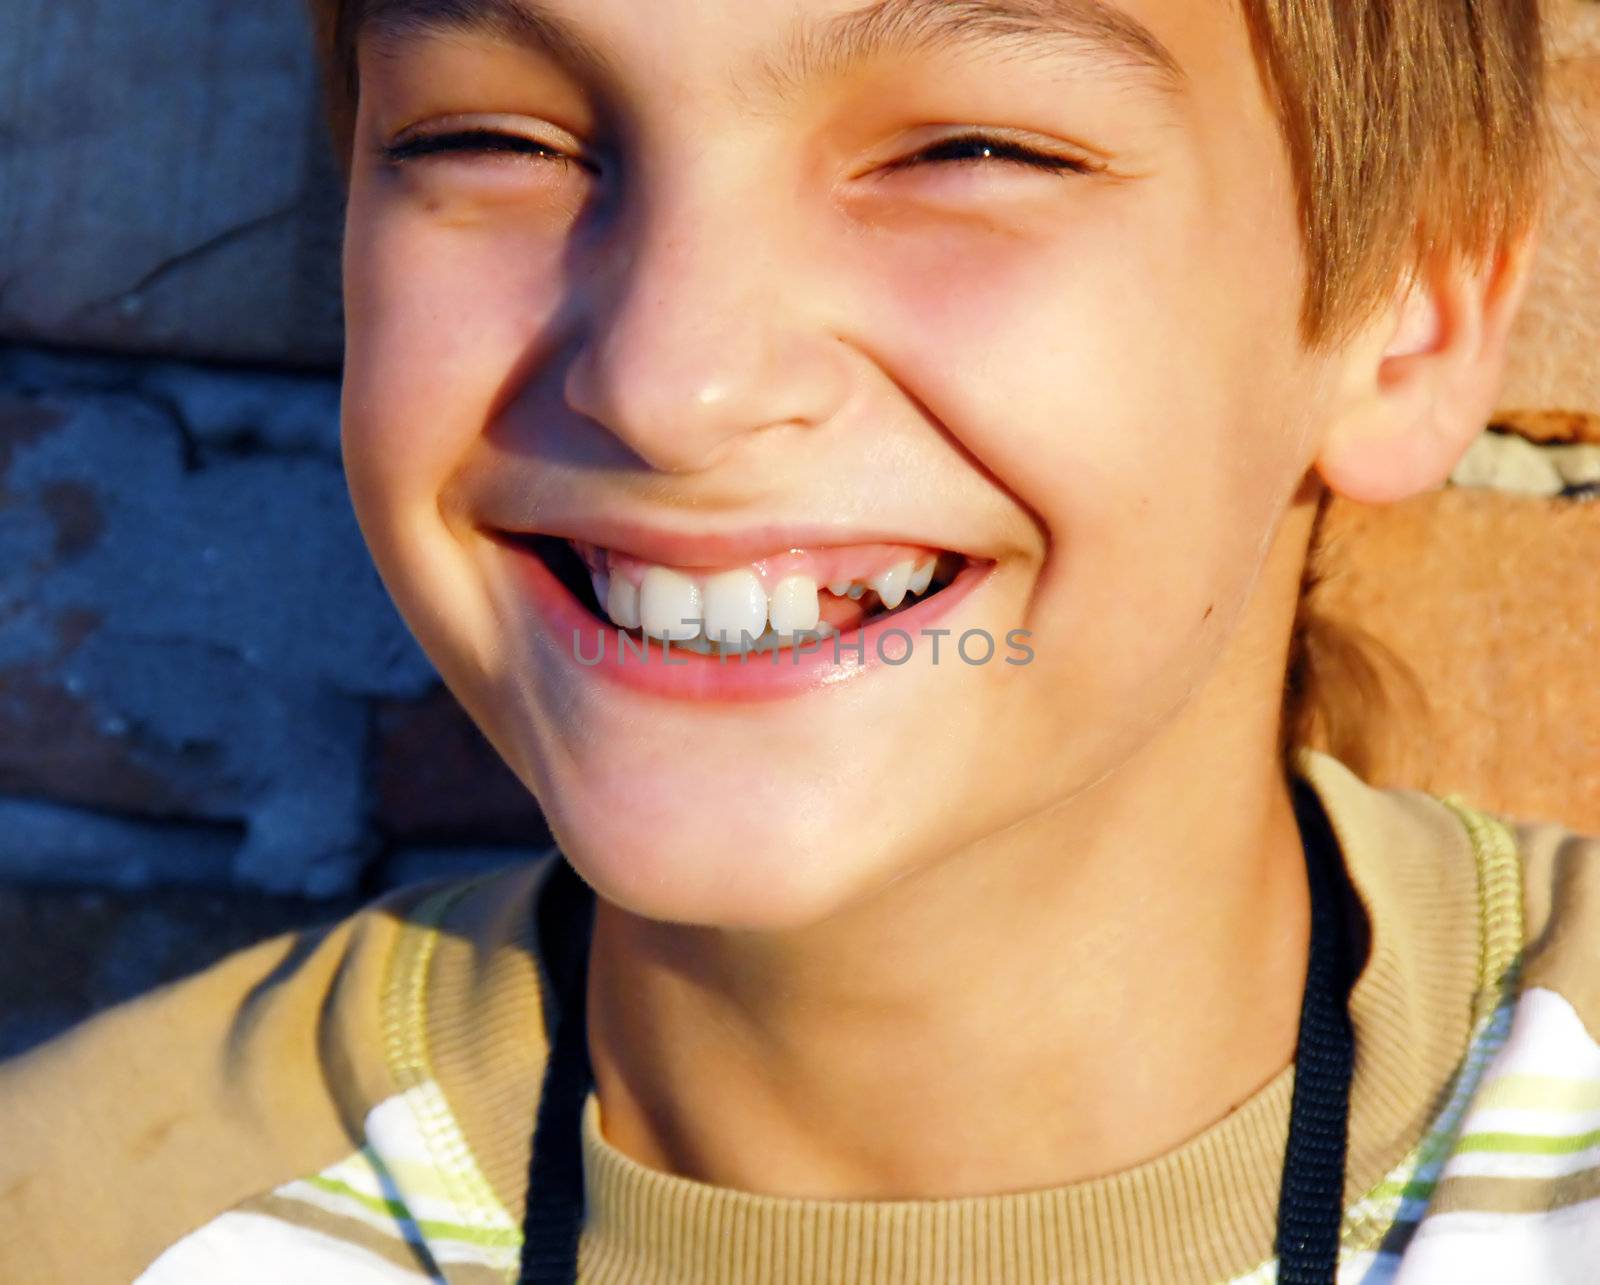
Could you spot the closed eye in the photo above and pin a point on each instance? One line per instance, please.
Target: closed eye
(478, 141)
(979, 148)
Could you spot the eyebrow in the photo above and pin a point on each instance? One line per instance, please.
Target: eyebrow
(526, 22)
(1029, 29)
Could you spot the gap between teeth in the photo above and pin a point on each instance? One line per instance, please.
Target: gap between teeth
(719, 611)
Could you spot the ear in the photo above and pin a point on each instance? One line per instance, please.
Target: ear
(1419, 382)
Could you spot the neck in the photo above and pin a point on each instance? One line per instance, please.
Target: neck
(1077, 995)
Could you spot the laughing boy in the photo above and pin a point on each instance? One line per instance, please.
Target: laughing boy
(856, 462)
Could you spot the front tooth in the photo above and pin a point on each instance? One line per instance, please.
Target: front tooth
(669, 605)
(794, 604)
(735, 605)
(622, 602)
(891, 585)
(922, 577)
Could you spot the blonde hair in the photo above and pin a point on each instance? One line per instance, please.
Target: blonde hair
(1415, 128)
(1346, 691)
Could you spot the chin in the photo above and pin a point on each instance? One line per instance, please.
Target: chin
(711, 864)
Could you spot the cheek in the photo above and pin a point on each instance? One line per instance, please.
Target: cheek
(1124, 380)
(439, 320)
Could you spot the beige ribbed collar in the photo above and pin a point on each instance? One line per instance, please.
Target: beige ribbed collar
(1203, 1212)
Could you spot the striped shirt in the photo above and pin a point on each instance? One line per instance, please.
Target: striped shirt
(355, 1105)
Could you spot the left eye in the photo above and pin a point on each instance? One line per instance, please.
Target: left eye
(980, 148)
(471, 141)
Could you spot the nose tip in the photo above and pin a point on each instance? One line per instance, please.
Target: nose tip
(694, 354)
(680, 416)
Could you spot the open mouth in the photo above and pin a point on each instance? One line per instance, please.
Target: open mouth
(778, 602)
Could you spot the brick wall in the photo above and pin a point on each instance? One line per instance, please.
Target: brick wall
(213, 725)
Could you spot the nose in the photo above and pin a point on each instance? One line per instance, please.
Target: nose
(698, 330)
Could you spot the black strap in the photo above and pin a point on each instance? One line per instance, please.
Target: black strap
(1311, 1197)
(554, 1217)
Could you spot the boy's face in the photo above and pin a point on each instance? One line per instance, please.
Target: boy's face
(757, 296)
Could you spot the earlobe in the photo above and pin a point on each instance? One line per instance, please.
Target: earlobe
(1388, 449)
(1421, 379)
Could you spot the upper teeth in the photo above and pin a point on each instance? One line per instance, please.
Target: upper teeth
(735, 605)
(671, 605)
(793, 607)
(892, 584)
(621, 599)
(733, 609)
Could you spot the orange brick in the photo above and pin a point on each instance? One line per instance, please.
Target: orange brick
(1492, 603)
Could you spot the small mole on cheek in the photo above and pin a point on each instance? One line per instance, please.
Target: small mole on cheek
(1209, 610)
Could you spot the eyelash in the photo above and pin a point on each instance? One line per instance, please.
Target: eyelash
(486, 140)
(474, 140)
(999, 149)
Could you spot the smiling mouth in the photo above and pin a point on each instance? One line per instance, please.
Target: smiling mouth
(781, 601)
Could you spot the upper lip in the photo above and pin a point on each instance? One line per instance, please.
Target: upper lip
(711, 549)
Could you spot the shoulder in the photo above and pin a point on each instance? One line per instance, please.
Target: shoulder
(1561, 915)
(1545, 877)
(1537, 884)
(152, 1119)
(1518, 1180)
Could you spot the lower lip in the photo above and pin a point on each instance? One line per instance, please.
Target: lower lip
(613, 656)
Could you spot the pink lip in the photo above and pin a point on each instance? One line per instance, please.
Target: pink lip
(688, 676)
